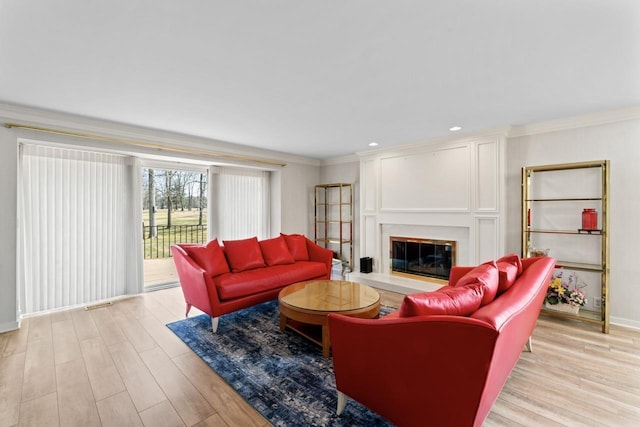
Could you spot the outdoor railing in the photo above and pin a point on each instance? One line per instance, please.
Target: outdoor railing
(159, 245)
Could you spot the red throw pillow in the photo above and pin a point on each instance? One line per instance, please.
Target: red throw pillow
(487, 274)
(243, 254)
(210, 257)
(297, 244)
(509, 268)
(512, 259)
(454, 301)
(275, 251)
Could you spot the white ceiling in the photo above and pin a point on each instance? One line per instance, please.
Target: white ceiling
(321, 78)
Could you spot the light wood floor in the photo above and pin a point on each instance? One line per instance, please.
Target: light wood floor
(120, 366)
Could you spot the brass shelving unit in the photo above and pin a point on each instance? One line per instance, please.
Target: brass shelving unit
(533, 206)
(333, 220)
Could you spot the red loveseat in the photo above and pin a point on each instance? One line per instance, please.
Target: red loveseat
(221, 279)
(440, 370)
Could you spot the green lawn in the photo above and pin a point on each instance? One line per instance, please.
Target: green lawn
(183, 230)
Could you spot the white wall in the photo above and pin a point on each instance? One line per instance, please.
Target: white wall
(298, 181)
(8, 226)
(618, 142)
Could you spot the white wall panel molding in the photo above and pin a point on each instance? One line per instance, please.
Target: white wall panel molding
(487, 180)
(430, 180)
(487, 239)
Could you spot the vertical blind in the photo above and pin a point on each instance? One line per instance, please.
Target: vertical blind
(80, 219)
(239, 203)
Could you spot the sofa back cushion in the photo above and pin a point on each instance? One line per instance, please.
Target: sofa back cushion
(275, 251)
(244, 254)
(455, 301)
(509, 268)
(297, 244)
(210, 257)
(487, 275)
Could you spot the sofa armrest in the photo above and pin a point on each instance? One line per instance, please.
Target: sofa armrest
(319, 254)
(193, 281)
(434, 365)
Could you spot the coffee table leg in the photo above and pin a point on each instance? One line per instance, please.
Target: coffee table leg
(283, 322)
(326, 341)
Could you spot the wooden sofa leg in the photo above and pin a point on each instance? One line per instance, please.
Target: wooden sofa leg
(214, 324)
(529, 346)
(186, 314)
(342, 402)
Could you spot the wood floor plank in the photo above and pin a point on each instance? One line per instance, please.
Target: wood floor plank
(140, 383)
(163, 336)
(65, 341)
(214, 420)
(40, 328)
(40, 412)
(11, 377)
(39, 370)
(103, 376)
(184, 397)
(107, 326)
(76, 404)
(84, 324)
(161, 415)
(135, 332)
(118, 411)
(225, 401)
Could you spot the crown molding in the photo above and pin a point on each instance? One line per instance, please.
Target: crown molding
(65, 122)
(458, 138)
(585, 120)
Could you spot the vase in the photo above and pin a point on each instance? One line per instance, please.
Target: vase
(565, 308)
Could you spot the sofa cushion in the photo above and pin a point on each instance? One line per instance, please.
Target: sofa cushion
(275, 251)
(235, 285)
(244, 254)
(455, 301)
(210, 257)
(297, 244)
(487, 275)
(512, 259)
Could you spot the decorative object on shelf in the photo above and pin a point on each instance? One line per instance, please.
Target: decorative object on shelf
(589, 219)
(565, 294)
(535, 252)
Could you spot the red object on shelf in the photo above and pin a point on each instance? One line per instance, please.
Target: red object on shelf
(589, 219)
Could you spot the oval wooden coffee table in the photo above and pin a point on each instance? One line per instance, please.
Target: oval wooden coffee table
(304, 306)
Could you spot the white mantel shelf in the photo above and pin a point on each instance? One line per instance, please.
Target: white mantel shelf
(394, 283)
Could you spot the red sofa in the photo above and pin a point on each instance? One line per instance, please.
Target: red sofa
(220, 279)
(439, 370)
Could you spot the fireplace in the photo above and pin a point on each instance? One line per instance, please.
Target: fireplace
(422, 257)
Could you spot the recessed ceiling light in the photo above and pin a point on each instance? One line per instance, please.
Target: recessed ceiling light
(373, 144)
(455, 128)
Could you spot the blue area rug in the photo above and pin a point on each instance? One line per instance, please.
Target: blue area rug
(281, 374)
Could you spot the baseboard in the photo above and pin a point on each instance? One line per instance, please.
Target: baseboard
(627, 323)
(9, 326)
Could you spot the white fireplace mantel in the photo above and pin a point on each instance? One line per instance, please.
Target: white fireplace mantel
(451, 190)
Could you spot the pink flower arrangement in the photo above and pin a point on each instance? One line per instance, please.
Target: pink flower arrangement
(566, 291)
